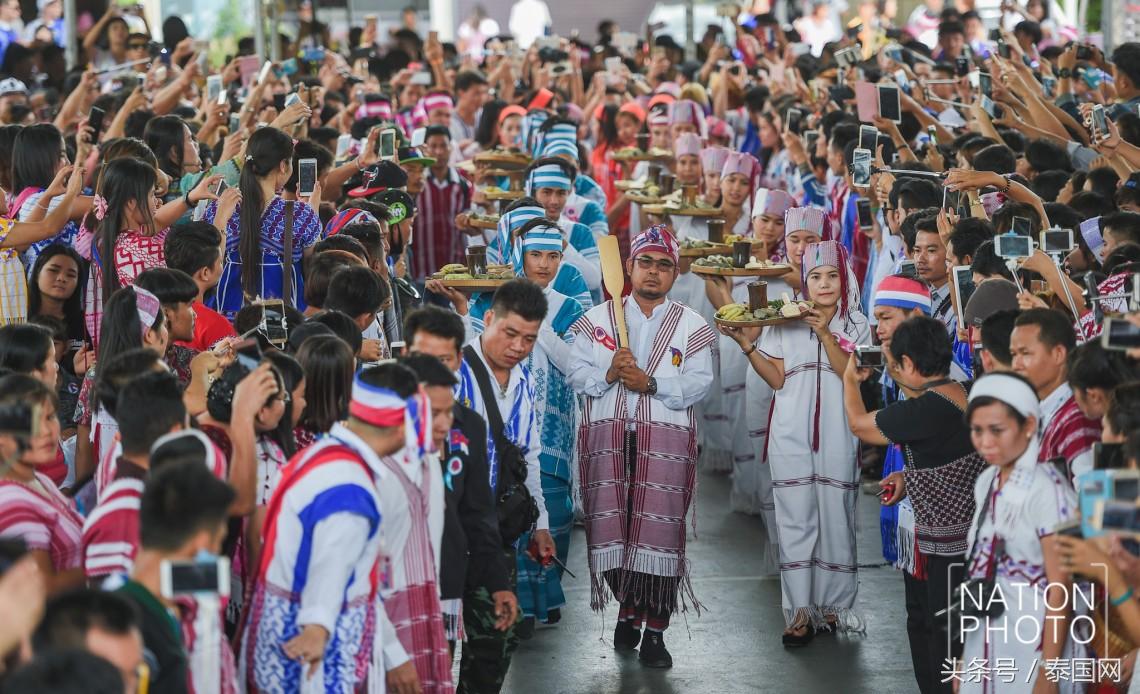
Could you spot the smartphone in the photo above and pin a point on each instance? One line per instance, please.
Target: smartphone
(811, 139)
(1012, 245)
(986, 84)
(866, 219)
(213, 87)
(313, 55)
(963, 276)
(1069, 529)
(343, 145)
(1119, 334)
(861, 168)
(889, 105)
(933, 133)
(868, 356)
(794, 120)
(235, 123)
(1022, 226)
(386, 143)
(274, 325)
(265, 68)
(903, 82)
(613, 65)
(422, 79)
(868, 136)
(306, 177)
(279, 102)
(1108, 456)
(988, 106)
(292, 98)
(1099, 126)
(907, 268)
(950, 199)
(248, 353)
(1057, 240)
(418, 137)
(961, 66)
(95, 120)
(1084, 51)
(1003, 49)
(195, 577)
(1049, 87)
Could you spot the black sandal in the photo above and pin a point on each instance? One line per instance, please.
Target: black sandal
(793, 640)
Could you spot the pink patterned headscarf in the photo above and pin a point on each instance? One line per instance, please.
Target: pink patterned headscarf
(656, 239)
(148, 307)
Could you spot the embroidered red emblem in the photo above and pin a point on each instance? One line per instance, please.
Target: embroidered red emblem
(600, 335)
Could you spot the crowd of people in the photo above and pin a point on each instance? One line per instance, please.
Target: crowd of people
(258, 433)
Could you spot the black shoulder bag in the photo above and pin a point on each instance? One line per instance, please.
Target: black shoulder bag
(516, 507)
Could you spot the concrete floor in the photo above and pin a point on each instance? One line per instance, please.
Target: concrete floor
(735, 645)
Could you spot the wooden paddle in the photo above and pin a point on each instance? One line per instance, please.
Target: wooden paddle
(613, 277)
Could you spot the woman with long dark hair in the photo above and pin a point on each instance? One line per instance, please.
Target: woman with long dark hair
(261, 228)
(174, 146)
(8, 135)
(328, 363)
(487, 131)
(42, 155)
(105, 44)
(29, 350)
(55, 287)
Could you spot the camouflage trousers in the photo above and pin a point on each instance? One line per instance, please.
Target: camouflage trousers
(486, 650)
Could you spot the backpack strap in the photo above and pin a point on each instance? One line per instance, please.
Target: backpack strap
(287, 252)
(483, 379)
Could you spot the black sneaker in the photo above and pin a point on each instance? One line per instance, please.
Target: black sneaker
(626, 636)
(525, 629)
(553, 616)
(653, 652)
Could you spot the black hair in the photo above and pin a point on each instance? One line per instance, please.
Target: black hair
(1044, 155)
(119, 371)
(307, 149)
(1054, 327)
(181, 448)
(319, 272)
(430, 370)
(433, 130)
(122, 181)
(995, 332)
(172, 287)
(369, 236)
(988, 263)
(24, 347)
(65, 671)
(158, 396)
(951, 26)
(8, 135)
(968, 234)
(916, 193)
(356, 291)
(1122, 258)
(166, 137)
(69, 616)
(181, 500)
(1123, 413)
(343, 325)
(467, 79)
(40, 148)
(340, 242)
(328, 364)
(73, 305)
(487, 130)
(291, 375)
(1123, 225)
(437, 321)
(1048, 184)
(25, 390)
(1092, 366)
(997, 159)
(987, 400)
(120, 329)
(1103, 180)
(1003, 216)
(567, 168)
(1089, 204)
(923, 340)
(522, 298)
(265, 150)
(191, 246)
(1129, 192)
(395, 377)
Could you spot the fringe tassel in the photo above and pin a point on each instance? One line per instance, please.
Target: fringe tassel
(847, 620)
(888, 529)
(716, 460)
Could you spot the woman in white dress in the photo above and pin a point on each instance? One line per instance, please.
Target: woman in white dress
(1019, 503)
(814, 467)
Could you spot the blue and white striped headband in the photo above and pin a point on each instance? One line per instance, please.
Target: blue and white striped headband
(548, 176)
(545, 237)
(555, 145)
(509, 223)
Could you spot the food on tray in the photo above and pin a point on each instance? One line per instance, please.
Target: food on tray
(687, 243)
(775, 310)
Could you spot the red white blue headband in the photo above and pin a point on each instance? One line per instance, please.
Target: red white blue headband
(376, 406)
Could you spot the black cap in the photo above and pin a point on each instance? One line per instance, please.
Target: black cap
(379, 177)
(400, 205)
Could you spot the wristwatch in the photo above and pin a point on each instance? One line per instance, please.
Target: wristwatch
(1064, 73)
(651, 389)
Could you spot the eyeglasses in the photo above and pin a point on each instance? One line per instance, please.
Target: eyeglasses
(647, 263)
(137, 46)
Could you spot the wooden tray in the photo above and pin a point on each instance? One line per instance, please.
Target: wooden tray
(483, 223)
(641, 156)
(776, 271)
(756, 323)
(517, 160)
(684, 211)
(642, 199)
(474, 286)
(715, 249)
(503, 194)
(627, 184)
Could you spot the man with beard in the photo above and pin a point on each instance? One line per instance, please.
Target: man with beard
(637, 452)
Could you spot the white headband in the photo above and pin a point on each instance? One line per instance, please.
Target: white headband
(1011, 390)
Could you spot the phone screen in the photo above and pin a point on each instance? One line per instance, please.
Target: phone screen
(1057, 240)
(1120, 334)
(868, 356)
(1013, 246)
(889, 106)
(343, 144)
(811, 138)
(863, 205)
(95, 120)
(986, 84)
(1022, 226)
(961, 66)
(795, 119)
(306, 176)
(273, 324)
(868, 135)
(1108, 456)
(194, 577)
(279, 102)
(861, 168)
(908, 269)
(1003, 49)
(213, 87)
(1100, 127)
(388, 144)
(964, 279)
